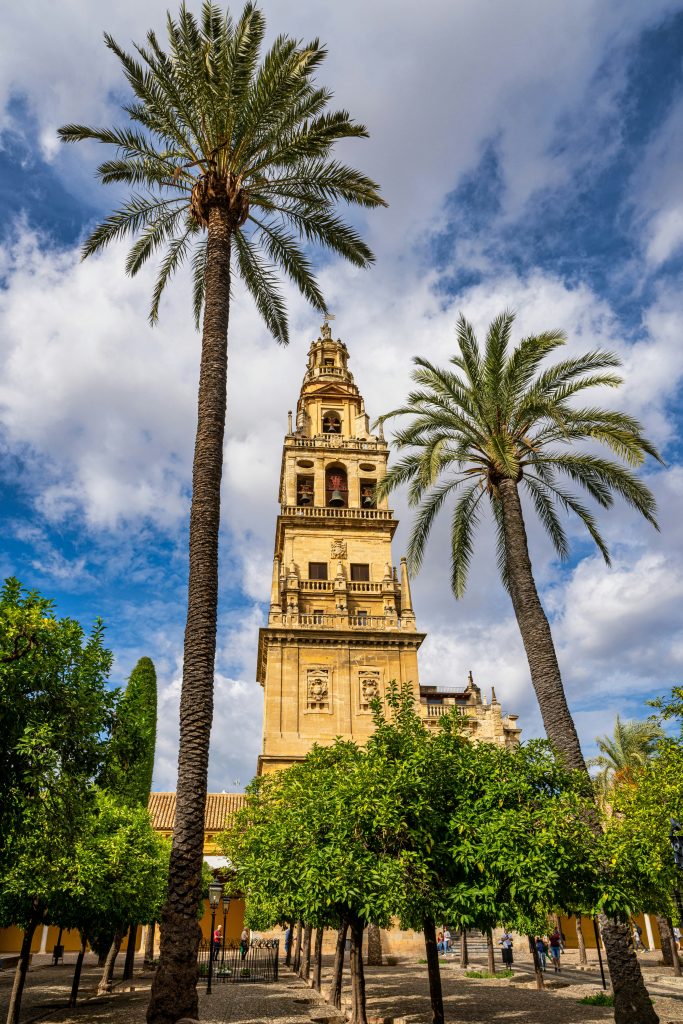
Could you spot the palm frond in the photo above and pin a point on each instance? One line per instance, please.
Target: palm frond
(261, 280)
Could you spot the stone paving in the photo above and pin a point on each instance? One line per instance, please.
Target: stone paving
(399, 992)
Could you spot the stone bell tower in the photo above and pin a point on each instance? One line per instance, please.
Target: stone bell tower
(341, 622)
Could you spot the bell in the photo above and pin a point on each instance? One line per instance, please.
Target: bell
(368, 500)
(336, 500)
(305, 498)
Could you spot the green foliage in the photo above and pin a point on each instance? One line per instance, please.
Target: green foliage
(504, 973)
(415, 824)
(599, 999)
(130, 758)
(495, 414)
(208, 117)
(629, 748)
(55, 716)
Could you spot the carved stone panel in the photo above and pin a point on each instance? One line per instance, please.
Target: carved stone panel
(368, 680)
(318, 689)
(338, 549)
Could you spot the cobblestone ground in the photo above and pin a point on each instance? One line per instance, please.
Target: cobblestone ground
(394, 992)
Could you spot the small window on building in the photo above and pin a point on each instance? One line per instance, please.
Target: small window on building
(362, 618)
(318, 616)
(360, 573)
(317, 570)
(328, 362)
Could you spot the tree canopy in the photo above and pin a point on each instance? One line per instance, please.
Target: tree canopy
(130, 757)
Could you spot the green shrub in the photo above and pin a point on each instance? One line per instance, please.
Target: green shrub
(505, 973)
(599, 999)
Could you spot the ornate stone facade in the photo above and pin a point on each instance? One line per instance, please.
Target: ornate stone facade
(341, 622)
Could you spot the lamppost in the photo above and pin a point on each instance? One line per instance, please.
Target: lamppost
(226, 908)
(215, 893)
(676, 837)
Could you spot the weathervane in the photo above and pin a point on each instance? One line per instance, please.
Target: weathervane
(326, 329)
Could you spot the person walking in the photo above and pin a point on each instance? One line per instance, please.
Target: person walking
(244, 943)
(638, 938)
(555, 943)
(542, 951)
(217, 940)
(506, 943)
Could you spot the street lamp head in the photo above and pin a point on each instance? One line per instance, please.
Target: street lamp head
(226, 903)
(215, 893)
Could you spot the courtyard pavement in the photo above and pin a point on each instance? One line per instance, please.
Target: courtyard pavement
(399, 992)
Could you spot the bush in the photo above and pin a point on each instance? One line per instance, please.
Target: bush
(599, 999)
(505, 973)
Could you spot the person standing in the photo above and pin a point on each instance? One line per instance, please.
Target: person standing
(288, 939)
(506, 943)
(244, 943)
(446, 941)
(439, 943)
(542, 950)
(217, 939)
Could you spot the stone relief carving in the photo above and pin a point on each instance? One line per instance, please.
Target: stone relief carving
(318, 689)
(369, 687)
(338, 549)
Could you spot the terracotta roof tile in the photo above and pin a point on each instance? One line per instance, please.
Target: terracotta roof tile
(219, 806)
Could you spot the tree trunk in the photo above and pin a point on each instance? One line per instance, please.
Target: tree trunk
(297, 952)
(538, 970)
(318, 958)
(108, 972)
(490, 955)
(583, 959)
(129, 963)
(174, 988)
(358, 1014)
(673, 949)
(464, 956)
(334, 996)
(433, 970)
(149, 944)
(14, 1009)
(374, 957)
(632, 1003)
(305, 967)
(77, 971)
(665, 935)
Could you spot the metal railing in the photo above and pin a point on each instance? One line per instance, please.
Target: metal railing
(233, 962)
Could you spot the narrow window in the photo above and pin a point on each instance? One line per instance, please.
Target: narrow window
(317, 570)
(360, 573)
(362, 618)
(318, 616)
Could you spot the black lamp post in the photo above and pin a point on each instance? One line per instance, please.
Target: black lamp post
(215, 893)
(226, 908)
(676, 837)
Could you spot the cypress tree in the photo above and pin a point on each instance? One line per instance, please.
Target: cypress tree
(130, 765)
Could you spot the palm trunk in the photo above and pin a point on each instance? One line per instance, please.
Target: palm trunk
(464, 956)
(129, 964)
(318, 958)
(583, 959)
(490, 955)
(433, 971)
(305, 968)
(77, 971)
(632, 1004)
(334, 996)
(358, 1012)
(108, 971)
(149, 944)
(374, 958)
(174, 988)
(14, 1008)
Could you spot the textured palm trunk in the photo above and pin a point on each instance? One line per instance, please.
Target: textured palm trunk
(374, 946)
(490, 953)
(334, 996)
(14, 1008)
(174, 989)
(318, 958)
(433, 970)
(75, 984)
(631, 1002)
(583, 959)
(305, 968)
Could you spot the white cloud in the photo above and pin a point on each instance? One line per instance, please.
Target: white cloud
(658, 191)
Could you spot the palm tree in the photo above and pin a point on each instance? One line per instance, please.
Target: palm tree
(630, 746)
(493, 424)
(229, 163)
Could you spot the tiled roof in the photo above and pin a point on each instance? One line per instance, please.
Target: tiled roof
(219, 806)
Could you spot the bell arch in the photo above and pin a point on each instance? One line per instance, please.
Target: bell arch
(336, 486)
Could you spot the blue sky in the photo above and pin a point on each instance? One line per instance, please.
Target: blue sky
(532, 159)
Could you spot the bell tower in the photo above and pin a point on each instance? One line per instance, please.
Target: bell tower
(341, 622)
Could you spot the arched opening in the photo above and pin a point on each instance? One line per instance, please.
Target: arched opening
(336, 487)
(331, 422)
